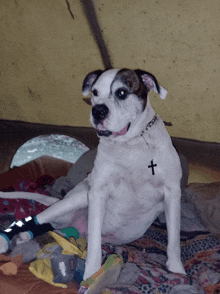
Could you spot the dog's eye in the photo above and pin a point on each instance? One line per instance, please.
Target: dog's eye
(95, 92)
(121, 93)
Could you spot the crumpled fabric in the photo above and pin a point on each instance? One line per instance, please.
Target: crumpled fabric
(42, 267)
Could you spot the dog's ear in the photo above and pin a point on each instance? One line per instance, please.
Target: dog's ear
(151, 83)
(89, 81)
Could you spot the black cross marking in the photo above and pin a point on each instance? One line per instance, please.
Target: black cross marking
(152, 166)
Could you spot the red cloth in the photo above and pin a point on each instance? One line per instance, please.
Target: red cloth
(22, 208)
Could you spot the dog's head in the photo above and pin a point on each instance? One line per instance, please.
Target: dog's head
(118, 98)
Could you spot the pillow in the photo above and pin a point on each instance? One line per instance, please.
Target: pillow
(206, 199)
(34, 170)
(203, 173)
(76, 174)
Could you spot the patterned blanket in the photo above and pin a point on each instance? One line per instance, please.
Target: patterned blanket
(200, 255)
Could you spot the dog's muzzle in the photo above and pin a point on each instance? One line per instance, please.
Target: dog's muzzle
(100, 113)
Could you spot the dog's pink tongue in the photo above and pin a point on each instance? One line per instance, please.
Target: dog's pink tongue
(122, 132)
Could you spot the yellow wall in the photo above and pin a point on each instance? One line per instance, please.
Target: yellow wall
(45, 55)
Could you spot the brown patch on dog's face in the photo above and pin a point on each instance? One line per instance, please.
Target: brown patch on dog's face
(134, 83)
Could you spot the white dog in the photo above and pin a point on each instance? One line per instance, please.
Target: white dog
(136, 173)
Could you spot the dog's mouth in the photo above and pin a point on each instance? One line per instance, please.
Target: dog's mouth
(102, 131)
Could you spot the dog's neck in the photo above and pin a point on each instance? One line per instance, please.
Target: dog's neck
(150, 124)
(146, 119)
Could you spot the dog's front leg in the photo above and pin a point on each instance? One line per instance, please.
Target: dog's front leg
(95, 220)
(172, 212)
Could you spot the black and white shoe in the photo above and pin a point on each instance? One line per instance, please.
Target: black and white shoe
(28, 224)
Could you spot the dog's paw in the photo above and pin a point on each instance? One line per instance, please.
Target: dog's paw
(87, 275)
(90, 271)
(176, 266)
(4, 246)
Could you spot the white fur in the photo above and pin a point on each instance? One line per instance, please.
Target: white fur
(121, 196)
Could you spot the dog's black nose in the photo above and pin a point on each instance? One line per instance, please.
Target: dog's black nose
(99, 112)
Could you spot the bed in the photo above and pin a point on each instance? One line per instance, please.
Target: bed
(145, 259)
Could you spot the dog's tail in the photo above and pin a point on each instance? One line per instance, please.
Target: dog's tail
(43, 199)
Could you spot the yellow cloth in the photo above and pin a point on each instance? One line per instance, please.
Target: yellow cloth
(68, 246)
(41, 267)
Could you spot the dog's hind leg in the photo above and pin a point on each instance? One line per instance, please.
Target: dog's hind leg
(73, 201)
(58, 214)
(7, 235)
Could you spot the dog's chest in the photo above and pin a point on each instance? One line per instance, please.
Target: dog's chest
(133, 170)
(136, 158)
(135, 198)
